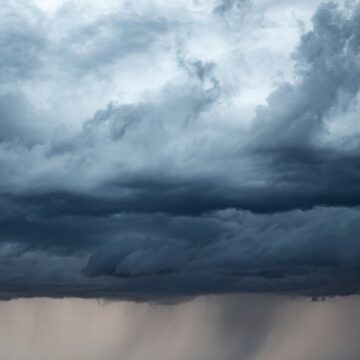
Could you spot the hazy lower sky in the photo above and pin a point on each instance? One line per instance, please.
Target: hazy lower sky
(245, 327)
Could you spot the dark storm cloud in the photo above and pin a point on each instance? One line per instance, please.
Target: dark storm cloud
(142, 256)
(327, 63)
(151, 199)
(284, 146)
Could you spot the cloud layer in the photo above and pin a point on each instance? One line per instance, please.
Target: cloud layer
(158, 150)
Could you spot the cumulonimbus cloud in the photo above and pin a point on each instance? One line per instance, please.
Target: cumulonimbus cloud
(166, 189)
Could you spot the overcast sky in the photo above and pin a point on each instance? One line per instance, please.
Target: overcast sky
(159, 149)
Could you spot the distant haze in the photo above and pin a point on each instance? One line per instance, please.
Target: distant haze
(243, 327)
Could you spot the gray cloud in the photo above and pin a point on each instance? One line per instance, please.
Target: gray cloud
(224, 6)
(106, 40)
(22, 41)
(146, 256)
(170, 193)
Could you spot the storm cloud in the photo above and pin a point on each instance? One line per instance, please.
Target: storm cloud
(152, 151)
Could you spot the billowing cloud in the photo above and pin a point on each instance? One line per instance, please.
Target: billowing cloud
(174, 151)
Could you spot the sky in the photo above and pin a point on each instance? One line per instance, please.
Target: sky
(179, 179)
(155, 150)
(236, 327)
(158, 150)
